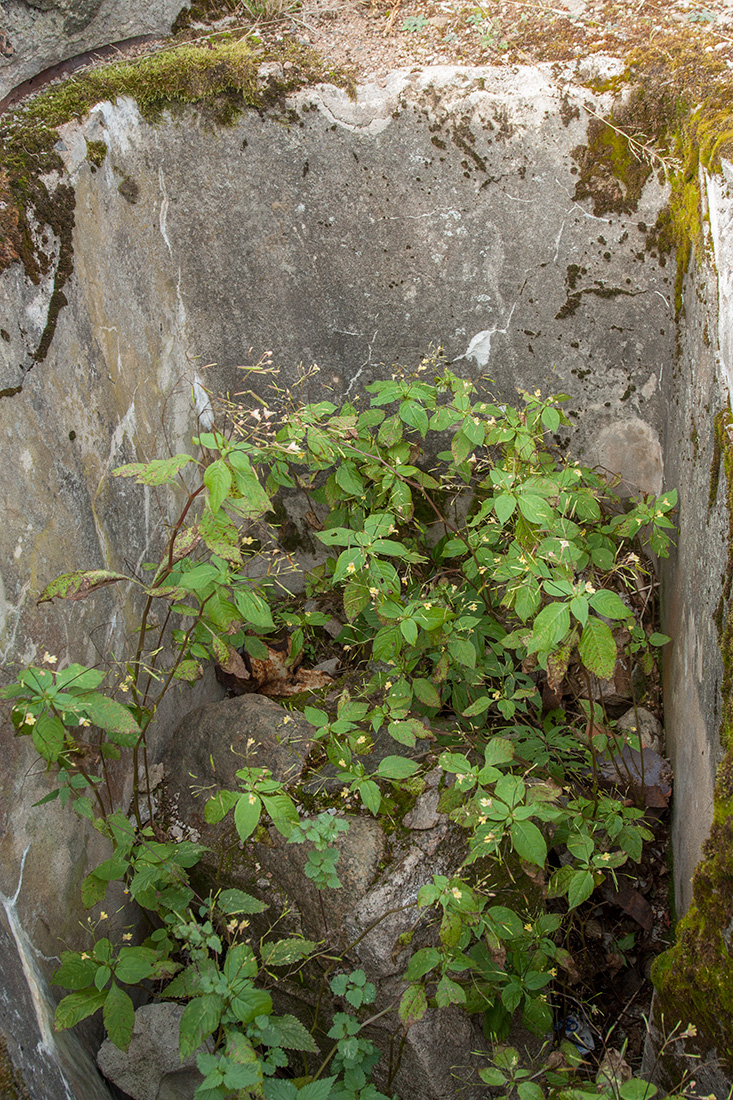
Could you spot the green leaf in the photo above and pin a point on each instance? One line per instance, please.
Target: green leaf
(530, 1090)
(609, 604)
(77, 1006)
(498, 751)
(581, 887)
(413, 1005)
(551, 419)
(219, 805)
(134, 964)
(48, 736)
(74, 972)
(356, 597)
(636, 1089)
(579, 608)
(461, 447)
(189, 671)
(597, 648)
(528, 842)
(347, 477)
(281, 809)
(119, 1017)
(504, 506)
(233, 902)
(93, 889)
(408, 629)
(349, 561)
(254, 609)
(422, 962)
(658, 639)
(536, 509)
(493, 1077)
(449, 993)
(218, 480)
(285, 952)
(111, 716)
(462, 651)
(291, 1034)
(482, 704)
(250, 1003)
(426, 692)
(397, 767)
(157, 472)
(550, 626)
(80, 584)
(370, 795)
(254, 501)
(247, 814)
(199, 1020)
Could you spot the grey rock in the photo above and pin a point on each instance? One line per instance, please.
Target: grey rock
(646, 725)
(151, 1068)
(214, 741)
(424, 814)
(46, 32)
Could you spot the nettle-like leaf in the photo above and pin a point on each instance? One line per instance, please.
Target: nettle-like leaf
(158, 472)
(597, 648)
(80, 584)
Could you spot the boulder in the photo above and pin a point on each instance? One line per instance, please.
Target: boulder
(151, 1068)
(646, 725)
(214, 741)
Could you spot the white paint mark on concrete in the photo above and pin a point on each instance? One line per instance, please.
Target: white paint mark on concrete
(480, 346)
(163, 216)
(202, 403)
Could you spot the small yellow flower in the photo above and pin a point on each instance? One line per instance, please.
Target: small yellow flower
(473, 607)
(342, 763)
(590, 589)
(232, 926)
(127, 935)
(345, 792)
(487, 803)
(247, 541)
(388, 685)
(287, 718)
(29, 720)
(457, 894)
(538, 393)
(605, 857)
(361, 740)
(351, 568)
(49, 659)
(489, 838)
(482, 820)
(103, 915)
(85, 722)
(528, 928)
(374, 592)
(85, 955)
(252, 799)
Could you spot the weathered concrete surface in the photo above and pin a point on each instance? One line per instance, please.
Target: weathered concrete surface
(437, 209)
(41, 33)
(697, 385)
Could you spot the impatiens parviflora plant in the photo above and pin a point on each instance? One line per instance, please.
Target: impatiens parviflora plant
(468, 575)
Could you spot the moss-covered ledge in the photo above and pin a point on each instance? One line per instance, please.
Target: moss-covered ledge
(222, 78)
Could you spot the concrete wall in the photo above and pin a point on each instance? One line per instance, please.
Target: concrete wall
(437, 209)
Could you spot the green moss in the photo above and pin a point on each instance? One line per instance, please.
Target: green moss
(96, 152)
(12, 1086)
